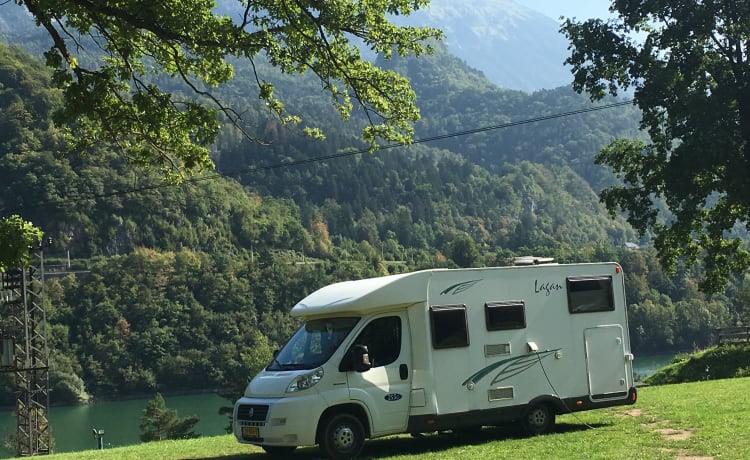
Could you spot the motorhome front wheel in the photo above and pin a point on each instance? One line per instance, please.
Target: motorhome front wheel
(343, 437)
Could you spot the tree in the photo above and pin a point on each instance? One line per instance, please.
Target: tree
(741, 303)
(463, 251)
(688, 65)
(16, 238)
(112, 59)
(159, 422)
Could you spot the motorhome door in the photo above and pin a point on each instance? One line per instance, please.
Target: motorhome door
(605, 362)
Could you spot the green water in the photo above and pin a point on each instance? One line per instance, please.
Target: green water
(72, 426)
(643, 366)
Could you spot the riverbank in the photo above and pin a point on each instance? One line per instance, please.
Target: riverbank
(719, 362)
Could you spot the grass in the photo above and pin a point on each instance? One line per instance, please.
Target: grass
(699, 420)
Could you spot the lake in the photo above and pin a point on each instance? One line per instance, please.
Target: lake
(643, 366)
(72, 425)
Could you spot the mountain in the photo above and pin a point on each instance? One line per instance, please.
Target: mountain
(17, 26)
(513, 46)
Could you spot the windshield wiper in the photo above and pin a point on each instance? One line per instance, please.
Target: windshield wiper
(277, 366)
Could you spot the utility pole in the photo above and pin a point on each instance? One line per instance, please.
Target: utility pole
(23, 336)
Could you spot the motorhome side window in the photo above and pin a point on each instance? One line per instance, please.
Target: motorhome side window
(383, 340)
(590, 294)
(501, 316)
(449, 326)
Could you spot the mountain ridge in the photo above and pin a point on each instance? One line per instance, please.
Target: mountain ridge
(527, 47)
(514, 47)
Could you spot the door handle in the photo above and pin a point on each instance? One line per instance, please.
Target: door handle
(403, 371)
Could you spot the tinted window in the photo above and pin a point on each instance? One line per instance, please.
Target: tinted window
(449, 326)
(590, 294)
(505, 315)
(383, 340)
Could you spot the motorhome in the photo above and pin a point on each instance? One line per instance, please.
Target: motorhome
(443, 349)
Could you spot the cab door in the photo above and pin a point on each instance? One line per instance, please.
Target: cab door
(385, 388)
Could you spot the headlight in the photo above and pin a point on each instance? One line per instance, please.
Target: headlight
(305, 381)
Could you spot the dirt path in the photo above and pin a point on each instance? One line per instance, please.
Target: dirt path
(670, 434)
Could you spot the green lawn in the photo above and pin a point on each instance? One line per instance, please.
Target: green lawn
(698, 420)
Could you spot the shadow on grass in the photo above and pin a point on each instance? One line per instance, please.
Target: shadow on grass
(420, 445)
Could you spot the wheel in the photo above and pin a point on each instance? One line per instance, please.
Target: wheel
(279, 451)
(539, 419)
(342, 437)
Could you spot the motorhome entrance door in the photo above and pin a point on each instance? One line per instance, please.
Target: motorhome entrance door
(605, 362)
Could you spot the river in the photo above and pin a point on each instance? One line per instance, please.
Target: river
(72, 425)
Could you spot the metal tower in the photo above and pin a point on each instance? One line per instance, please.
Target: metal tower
(24, 352)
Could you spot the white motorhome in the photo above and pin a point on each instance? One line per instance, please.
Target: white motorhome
(443, 349)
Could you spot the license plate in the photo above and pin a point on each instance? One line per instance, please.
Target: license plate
(250, 432)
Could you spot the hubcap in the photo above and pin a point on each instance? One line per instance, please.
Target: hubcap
(343, 437)
(537, 418)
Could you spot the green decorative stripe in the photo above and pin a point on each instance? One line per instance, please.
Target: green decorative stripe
(509, 367)
(460, 287)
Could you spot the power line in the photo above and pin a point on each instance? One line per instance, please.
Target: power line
(348, 153)
(422, 140)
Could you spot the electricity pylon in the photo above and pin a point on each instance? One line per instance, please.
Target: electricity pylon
(24, 352)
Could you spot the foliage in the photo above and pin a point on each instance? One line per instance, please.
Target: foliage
(688, 67)
(463, 251)
(17, 237)
(496, 121)
(159, 422)
(172, 321)
(741, 301)
(113, 72)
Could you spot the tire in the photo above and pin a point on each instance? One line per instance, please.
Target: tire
(539, 419)
(342, 437)
(279, 451)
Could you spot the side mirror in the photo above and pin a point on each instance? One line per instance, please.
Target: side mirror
(357, 359)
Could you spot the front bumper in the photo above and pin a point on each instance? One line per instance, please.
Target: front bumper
(277, 421)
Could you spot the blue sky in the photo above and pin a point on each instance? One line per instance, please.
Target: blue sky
(580, 9)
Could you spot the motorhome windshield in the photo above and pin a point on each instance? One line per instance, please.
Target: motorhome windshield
(313, 344)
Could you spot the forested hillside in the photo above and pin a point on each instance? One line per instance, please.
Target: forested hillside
(524, 185)
(178, 288)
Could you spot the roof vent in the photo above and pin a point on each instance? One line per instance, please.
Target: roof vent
(532, 260)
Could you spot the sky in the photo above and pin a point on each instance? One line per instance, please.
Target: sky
(580, 9)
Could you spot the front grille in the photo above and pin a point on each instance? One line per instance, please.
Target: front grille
(252, 412)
